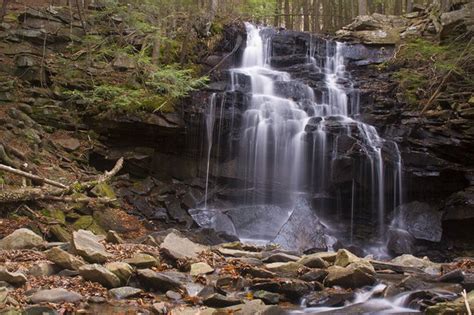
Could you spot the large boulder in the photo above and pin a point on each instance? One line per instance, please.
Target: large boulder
(421, 220)
(178, 247)
(86, 244)
(22, 239)
(350, 277)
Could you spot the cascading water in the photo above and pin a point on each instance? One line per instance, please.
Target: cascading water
(290, 145)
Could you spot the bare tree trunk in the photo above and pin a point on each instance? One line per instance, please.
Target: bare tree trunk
(397, 9)
(409, 6)
(287, 15)
(316, 16)
(277, 21)
(306, 15)
(362, 7)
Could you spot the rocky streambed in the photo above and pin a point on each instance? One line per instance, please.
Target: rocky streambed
(167, 273)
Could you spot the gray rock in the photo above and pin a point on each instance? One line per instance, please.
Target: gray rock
(100, 274)
(64, 259)
(43, 269)
(86, 244)
(159, 281)
(179, 247)
(124, 292)
(173, 295)
(400, 242)
(56, 295)
(142, 260)
(22, 239)
(219, 300)
(421, 220)
(422, 263)
(15, 278)
(121, 269)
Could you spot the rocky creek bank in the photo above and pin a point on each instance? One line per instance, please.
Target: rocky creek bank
(167, 273)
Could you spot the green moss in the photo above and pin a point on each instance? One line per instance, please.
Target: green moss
(410, 83)
(60, 233)
(87, 222)
(104, 190)
(56, 214)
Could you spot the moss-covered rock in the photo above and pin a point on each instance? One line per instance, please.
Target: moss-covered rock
(60, 233)
(104, 190)
(87, 222)
(56, 214)
(457, 306)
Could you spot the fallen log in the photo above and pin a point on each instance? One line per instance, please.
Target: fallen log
(40, 179)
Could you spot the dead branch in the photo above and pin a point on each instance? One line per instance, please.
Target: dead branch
(466, 302)
(61, 193)
(15, 171)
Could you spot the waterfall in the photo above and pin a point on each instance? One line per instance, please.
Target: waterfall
(291, 142)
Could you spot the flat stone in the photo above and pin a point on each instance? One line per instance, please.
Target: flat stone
(100, 274)
(22, 239)
(280, 257)
(142, 260)
(69, 144)
(64, 259)
(15, 278)
(121, 269)
(173, 295)
(159, 281)
(254, 307)
(56, 295)
(219, 300)
(179, 247)
(86, 244)
(124, 292)
(39, 310)
(239, 253)
(200, 269)
(286, 269)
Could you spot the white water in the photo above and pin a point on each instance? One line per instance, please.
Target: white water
(368, 301)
